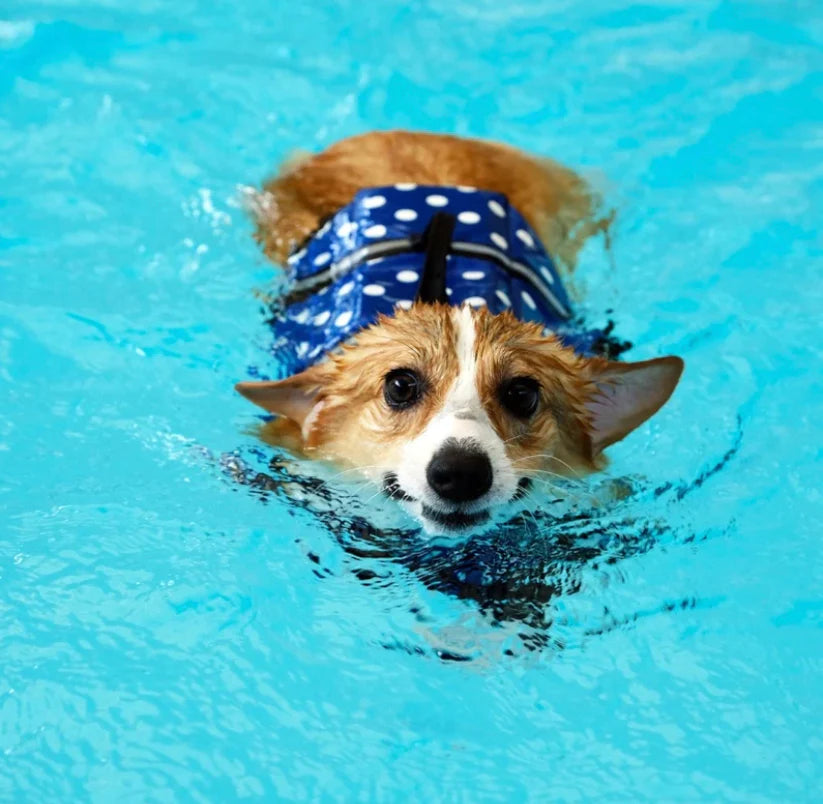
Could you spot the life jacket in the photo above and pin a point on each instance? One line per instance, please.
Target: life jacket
(393, 245)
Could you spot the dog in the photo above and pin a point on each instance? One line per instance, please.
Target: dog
(426, 332)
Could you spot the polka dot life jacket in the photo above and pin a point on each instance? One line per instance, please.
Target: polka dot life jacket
(370, 257)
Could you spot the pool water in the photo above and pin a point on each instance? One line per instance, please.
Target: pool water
(181, 619)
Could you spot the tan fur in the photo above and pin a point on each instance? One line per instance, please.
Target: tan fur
(355, 426)
(555, 201)
(558, 432)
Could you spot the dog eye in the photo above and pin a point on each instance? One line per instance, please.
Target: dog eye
(520, 396)
(402, 388)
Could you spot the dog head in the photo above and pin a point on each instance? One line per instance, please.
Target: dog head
(454, 411)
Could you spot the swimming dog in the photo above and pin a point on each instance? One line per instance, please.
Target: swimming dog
(426, 332)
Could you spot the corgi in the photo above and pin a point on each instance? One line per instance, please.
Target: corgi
(426, 331)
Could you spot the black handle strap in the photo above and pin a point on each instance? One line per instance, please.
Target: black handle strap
(436, 240)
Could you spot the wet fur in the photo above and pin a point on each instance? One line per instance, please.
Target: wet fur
(354, 421)
(336, 409)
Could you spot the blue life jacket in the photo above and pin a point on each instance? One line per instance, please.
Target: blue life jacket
(370, 258)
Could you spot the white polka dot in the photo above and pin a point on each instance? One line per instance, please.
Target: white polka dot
(449, 291)
(321, 318)
(374, 201)
(405, 215)
(525, 237)
(548, 275)
(407, 276)
(468, 217)
(405, 185)
(322, 259)
(475, 301)
(464, 188)
(302, 317)
(343, 319)
(345, 289)
(374, 290)
(378, 230)
(302, 348)
(497, 208)
(503, 297)
(346, 228)
(473, 275)
(498, 240)
(437, 200)
(528, 299)
(375, 260)
(324, 228)
(297, 256)
(404, 304)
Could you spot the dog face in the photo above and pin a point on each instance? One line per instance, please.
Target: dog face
(454, 411)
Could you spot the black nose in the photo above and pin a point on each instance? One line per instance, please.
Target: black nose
(459, 473)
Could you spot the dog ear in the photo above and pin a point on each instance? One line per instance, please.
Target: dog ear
(626, 394)
(298, 397)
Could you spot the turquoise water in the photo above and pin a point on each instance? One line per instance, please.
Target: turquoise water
(168, 633)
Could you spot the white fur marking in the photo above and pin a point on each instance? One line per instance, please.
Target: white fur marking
(311, 420)
(462, 416)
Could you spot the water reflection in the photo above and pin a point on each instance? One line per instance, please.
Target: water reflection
(511, 573)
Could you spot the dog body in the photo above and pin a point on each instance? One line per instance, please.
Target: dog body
(430, 340)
